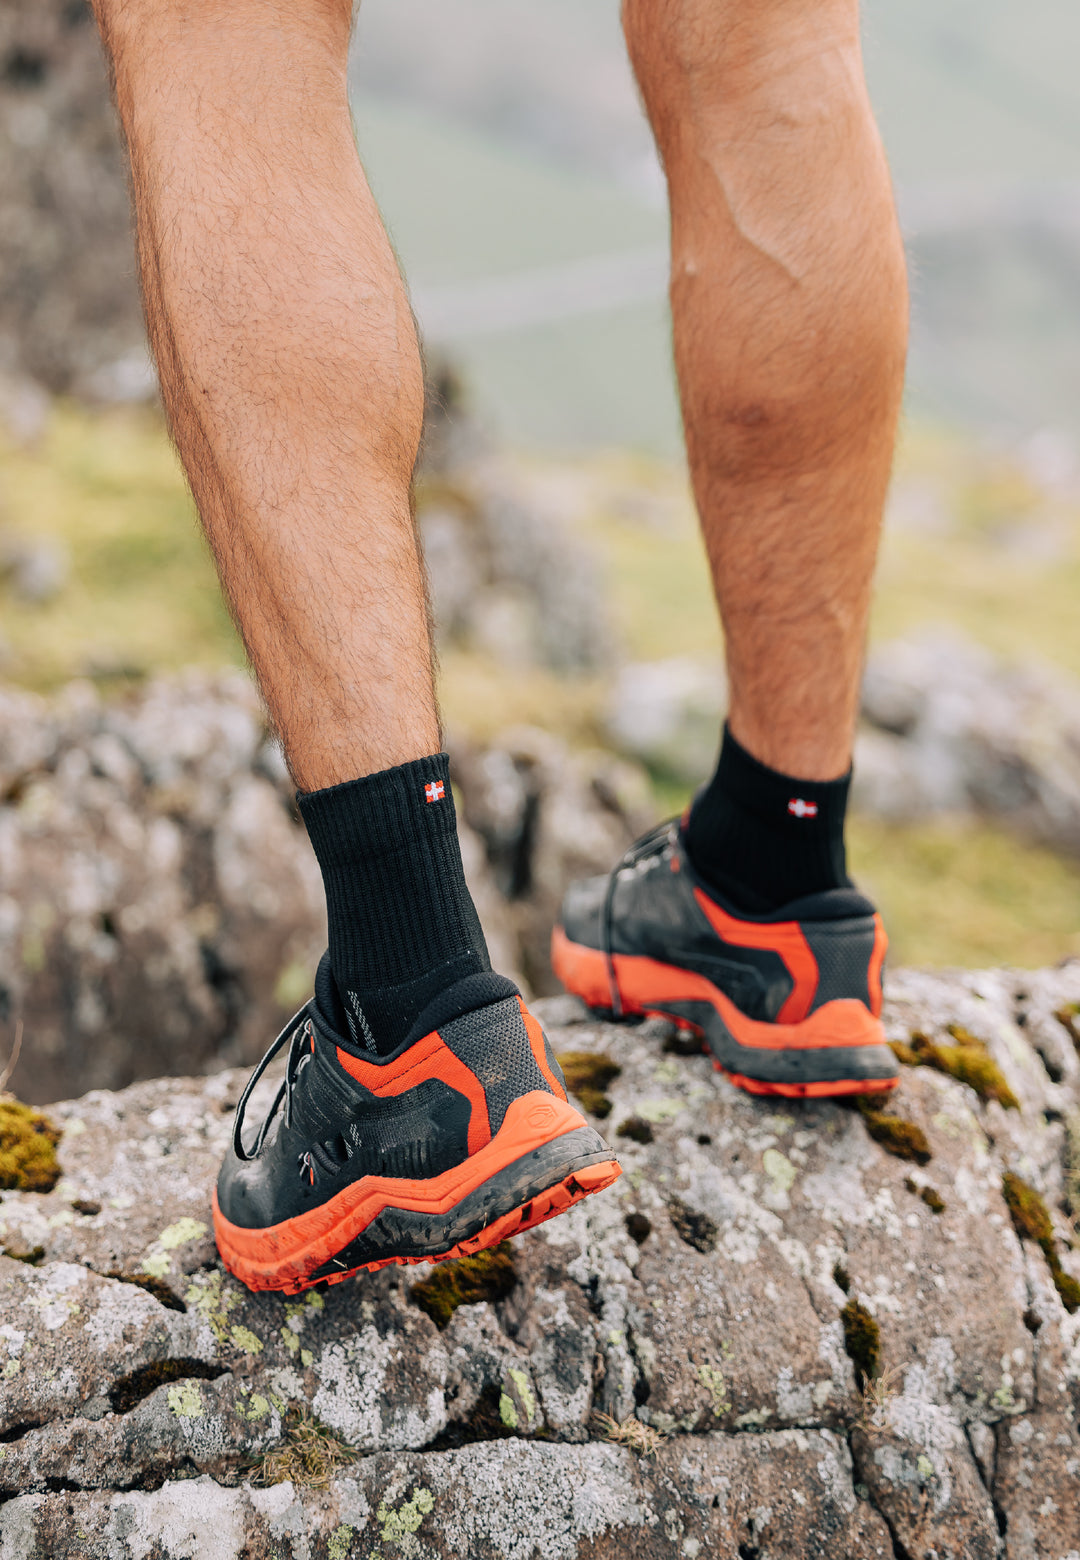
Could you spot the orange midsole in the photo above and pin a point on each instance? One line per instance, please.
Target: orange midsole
(307, 1241)
(645, 985)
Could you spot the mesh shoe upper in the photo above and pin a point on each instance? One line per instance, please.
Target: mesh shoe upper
(655, 906)
(341, 1114)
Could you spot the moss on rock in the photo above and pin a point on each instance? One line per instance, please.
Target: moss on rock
(637, 1129)
(968, 1061)
(933, 1200)
(862, 1341)
(28, 1142)
(587, 1075)
(1031, 1220)
(1069, 1018)
(903, 1139)
(489, 1275)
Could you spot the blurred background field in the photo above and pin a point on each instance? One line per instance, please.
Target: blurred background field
(517, 177)
(140, 596)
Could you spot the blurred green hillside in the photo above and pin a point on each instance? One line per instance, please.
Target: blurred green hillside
(141, 596)
(501, 136)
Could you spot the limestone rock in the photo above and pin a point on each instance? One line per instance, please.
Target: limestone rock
(700, 1304)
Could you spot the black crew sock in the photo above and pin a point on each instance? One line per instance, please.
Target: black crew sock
(402, 923)
(763, 839)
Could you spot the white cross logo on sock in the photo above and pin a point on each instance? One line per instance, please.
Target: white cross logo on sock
(434, 791)
(800, 809)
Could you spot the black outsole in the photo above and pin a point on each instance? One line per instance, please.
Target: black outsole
(405, 1234)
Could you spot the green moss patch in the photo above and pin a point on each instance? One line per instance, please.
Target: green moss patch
(33, 1255)
(637, 1129)
(489, 1275)
(862, 1341)
(933, 1200)
(903, 1139)
(695, 1228)
(28, 1142)
(1031, 1220)
(841, 1278)
(587, 1075)
(967, 1060)
(1069, 1018)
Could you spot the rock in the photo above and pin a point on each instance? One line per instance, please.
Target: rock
(160, 907)
(546, 816)
(954, 729)
(700, 1305)
(668, 714)
(70, 305)
(510, 576)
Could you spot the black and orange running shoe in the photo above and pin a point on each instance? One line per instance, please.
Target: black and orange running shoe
(786, 1004)
(462, 1137)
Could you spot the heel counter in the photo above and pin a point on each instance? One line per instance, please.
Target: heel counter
(850, 955)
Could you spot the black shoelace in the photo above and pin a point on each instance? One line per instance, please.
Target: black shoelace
(296, 1031)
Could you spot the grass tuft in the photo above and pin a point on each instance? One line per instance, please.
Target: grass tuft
(631, 1433)
(308, 1455)
(637, 1129)
(28, 1142)
(489, 1275)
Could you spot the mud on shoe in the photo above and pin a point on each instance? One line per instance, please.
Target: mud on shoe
(460, 1138)
(787, 1003)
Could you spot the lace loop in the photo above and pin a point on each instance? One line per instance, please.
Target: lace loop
(294, 1028)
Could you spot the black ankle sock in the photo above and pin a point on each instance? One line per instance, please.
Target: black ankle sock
(762, 838)
(402, 922)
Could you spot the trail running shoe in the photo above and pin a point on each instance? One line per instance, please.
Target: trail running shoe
(462, 1137)
(787, 1003)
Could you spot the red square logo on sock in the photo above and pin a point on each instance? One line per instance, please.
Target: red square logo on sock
(434, 791)
(800, 809)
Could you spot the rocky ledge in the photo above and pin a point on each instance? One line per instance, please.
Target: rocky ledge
(791, 1329)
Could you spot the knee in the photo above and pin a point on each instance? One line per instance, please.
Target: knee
(693, 56)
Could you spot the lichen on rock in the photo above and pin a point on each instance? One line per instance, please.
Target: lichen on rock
(755, 1266)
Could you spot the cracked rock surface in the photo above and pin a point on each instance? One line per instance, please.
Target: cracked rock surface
(703, 1304)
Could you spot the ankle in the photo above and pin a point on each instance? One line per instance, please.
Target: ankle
(762, 838)
(401, 921)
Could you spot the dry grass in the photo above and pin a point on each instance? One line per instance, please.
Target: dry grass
(631, 1433)
(309, 1454)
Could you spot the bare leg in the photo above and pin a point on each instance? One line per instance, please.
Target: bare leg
(288, 361)
(790, 321)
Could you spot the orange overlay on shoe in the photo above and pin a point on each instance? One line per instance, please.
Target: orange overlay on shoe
(284, 1255)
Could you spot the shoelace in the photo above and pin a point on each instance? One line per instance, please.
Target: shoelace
(648, 845)
(298, 1027)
